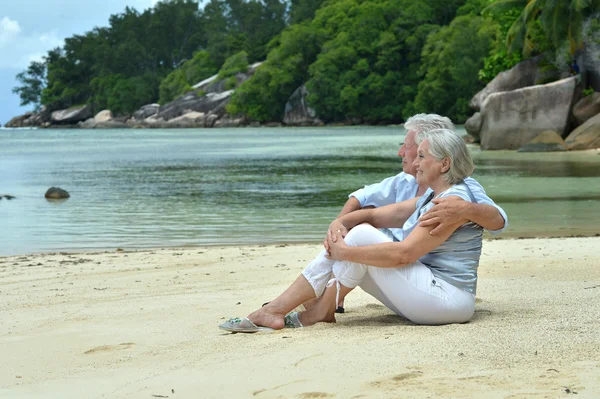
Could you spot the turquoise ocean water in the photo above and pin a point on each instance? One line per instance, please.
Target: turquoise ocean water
(160, 188)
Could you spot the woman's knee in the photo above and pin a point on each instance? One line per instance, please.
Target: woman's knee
(365, 234)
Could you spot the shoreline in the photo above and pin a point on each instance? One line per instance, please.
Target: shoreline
(97, 251)
(133, 324)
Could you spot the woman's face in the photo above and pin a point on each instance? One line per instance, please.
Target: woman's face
(429, 169)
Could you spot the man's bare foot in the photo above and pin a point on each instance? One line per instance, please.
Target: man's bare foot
(268, 316)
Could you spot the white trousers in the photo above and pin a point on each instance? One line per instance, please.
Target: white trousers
(412, 291)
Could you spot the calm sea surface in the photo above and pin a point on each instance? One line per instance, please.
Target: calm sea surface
(159, 188)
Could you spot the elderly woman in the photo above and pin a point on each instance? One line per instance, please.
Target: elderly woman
(427, 279)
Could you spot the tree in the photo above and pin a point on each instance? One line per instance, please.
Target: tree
(33, 81)
(557, 21)
(451, 60)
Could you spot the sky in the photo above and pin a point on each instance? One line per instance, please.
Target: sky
(29, 28)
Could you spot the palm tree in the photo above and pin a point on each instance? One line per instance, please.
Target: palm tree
(559, 20)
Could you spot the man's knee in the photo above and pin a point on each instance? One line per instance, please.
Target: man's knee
(363, 234)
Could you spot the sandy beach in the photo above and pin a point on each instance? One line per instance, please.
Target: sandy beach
(143, 324)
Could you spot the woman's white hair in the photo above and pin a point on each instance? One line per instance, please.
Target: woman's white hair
(445, 143)
(425, 122)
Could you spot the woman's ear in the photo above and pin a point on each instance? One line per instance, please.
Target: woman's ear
(445, 165)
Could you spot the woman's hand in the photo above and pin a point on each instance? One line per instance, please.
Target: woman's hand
(337, 246)
(335, 228)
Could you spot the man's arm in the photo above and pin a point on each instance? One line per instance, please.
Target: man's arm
(451, 210)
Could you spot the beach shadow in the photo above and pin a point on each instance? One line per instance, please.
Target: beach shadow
(365, 316)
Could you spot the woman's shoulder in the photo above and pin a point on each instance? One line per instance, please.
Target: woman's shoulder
(459, 190)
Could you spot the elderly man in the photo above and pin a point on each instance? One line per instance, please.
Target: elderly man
(483, 211)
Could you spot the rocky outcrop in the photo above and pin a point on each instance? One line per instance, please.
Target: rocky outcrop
(586, 108)
(190, 119)
(19, 121)
(56, 193)
(230, 121)
(513, 118)
(473, 126)
(586, 136)
(522, 75)
(191, 102)
(146, 111)
(71, 115)
(103, 116)
(297, 112)
(545, 142)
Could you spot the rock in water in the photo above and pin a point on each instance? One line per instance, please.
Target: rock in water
(586, 136)
(545, 142)
(513, 118)
(56, 193)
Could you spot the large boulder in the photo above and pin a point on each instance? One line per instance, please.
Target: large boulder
(191, 102)
(146, 111)
(190, 119)
(56, 193)
(297, 112)
(230, 121)
(513, 118)
(586, 136)
(473, 126)
(103, 116)
(71, 115)
(587, 107)
(19, 121)
(523, 74)
(545, 142)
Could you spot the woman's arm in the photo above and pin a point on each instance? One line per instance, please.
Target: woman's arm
(392, 254)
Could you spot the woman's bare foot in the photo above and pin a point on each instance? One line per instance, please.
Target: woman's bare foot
(268, 316)
(314, 316)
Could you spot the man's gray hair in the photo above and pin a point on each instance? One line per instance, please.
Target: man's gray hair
(425, 122)
(447, 143)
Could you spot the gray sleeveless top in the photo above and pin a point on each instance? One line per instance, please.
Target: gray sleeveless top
(455, 260)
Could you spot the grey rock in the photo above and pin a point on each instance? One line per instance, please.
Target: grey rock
(19, 121)
(71, 115)
(586, 108)
(513, 118)
(191, 102)
(545, 142)
(230, 121)
(586, 136)
(56, 193)
(146, 111)
(297, 112)
(473, 126)
(523, 74)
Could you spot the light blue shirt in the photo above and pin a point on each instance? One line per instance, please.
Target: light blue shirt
(455, 260)
(403, 187)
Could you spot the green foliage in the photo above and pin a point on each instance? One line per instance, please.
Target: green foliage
(234, 64)
(33, 81)
(181, 80)
(588, 92)
(140, 51)
(545, 24)
(263, 97)
(451, 60)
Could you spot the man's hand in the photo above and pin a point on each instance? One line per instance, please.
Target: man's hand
(335, 229)
(336, 245)
(446, 212)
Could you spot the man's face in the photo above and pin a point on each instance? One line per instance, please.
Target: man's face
(408, 152)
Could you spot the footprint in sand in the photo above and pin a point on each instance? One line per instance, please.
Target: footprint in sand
(109, 348)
